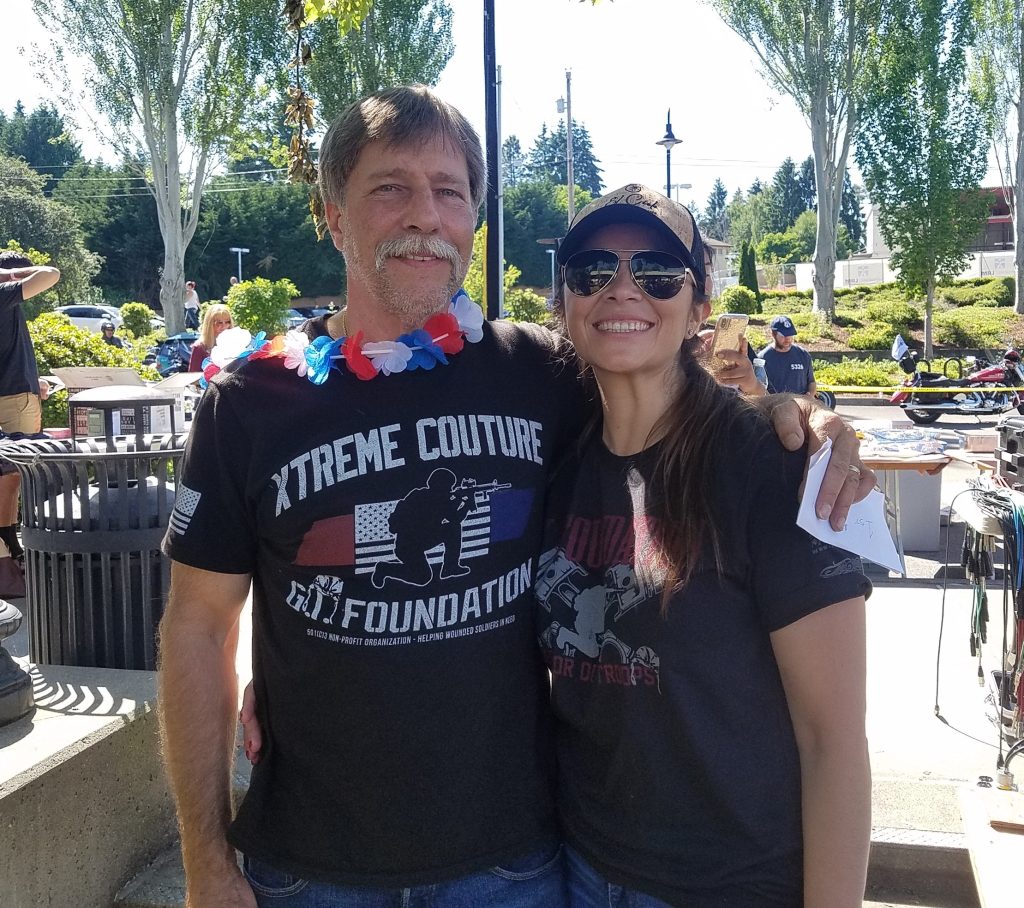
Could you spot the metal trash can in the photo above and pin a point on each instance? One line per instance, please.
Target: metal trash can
(94, 511)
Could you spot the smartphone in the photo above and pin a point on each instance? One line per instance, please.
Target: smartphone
(728, 336)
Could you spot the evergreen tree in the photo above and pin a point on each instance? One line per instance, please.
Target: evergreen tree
(850, 214)
(714, 220)
(535, 210)
(119, 219)
(808, 193)
(513, 162)
(748, 271)
(547, 161)
(756, 188)
(786, 198)
(42, 139)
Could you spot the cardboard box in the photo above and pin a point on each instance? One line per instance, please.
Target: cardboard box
(157, 419)
(981, 442)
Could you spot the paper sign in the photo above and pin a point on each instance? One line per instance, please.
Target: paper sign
(866, 532)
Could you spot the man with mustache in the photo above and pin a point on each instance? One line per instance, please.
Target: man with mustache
(406, 755)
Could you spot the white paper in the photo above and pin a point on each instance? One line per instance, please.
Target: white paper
(866, 532)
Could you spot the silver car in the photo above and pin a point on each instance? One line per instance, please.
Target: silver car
(91, 317)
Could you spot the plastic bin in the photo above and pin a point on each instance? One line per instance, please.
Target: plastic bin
(94, 511)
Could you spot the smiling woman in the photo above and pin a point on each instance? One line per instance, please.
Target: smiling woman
(672, 549)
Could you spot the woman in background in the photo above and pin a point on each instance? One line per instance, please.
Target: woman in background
(217, 318)
(707, 655)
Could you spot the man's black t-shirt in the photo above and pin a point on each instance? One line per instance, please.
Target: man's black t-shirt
(678, 768)
(18, 373)
(392, 528)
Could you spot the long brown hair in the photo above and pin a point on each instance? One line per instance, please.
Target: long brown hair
(693, 430)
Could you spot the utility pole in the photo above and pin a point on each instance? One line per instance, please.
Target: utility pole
(568, 144)
(492, 271)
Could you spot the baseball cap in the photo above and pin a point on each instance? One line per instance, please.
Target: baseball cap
(783, 325)
(641, 205)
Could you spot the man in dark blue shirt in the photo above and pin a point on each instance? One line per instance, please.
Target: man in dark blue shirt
(787, 364)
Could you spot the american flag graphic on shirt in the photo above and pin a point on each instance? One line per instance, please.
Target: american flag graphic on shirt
(364, 537)
(185, 504)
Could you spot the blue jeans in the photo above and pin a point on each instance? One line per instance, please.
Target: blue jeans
(534, 881)
(588, 889)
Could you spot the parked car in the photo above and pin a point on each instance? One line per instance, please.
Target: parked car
(172, 355)
(91, 317)
(300, 314)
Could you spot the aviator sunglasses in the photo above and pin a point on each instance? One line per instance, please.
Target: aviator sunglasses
(660, 275)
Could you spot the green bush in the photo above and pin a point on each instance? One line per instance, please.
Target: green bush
(896, 314)
(973, 326)
(799, 297)
(262, 305)
(136, 317)
(59, 344)
(872, 337)
(849, 318)
(860, 372)
(739, 299)
(785, 304)
(523, 305)
(810, 326)
(979, 292)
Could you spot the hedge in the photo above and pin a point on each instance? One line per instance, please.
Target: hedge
(861, 372)
(973, 326)
(872, 337)
(59, 344)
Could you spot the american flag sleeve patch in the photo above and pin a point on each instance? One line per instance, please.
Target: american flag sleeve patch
(185, 504)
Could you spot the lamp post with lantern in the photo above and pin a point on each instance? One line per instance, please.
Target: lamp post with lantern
(668, 142)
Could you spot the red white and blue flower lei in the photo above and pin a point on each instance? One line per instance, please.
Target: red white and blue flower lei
(443, 335)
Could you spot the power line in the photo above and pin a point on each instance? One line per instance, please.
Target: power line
(117, 177)
(213, 190)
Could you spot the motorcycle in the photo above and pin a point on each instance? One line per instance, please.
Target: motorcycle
(989, 388)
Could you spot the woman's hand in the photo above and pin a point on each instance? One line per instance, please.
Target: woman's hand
(252, 734)
(796, 419)
(740, 370)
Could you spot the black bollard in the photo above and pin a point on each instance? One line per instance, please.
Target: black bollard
(15, 683)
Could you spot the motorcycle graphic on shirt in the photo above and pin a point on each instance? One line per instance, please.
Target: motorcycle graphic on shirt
(590, 648)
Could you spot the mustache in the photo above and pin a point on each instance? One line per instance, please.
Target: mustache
(418, 245)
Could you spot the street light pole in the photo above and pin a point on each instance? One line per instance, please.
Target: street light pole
(554, 286)
(668, 142)
(240, 251)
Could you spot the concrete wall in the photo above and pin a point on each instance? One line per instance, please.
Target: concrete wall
(83, 800)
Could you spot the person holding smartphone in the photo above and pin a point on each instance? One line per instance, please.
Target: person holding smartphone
(736, 367)
(707, 655)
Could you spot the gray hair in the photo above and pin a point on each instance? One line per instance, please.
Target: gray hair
(408, 114)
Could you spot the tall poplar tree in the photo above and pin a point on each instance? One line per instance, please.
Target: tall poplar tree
(175, 79)
(397, 42)
(814, 51)
(922, 148)
(999, 55)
